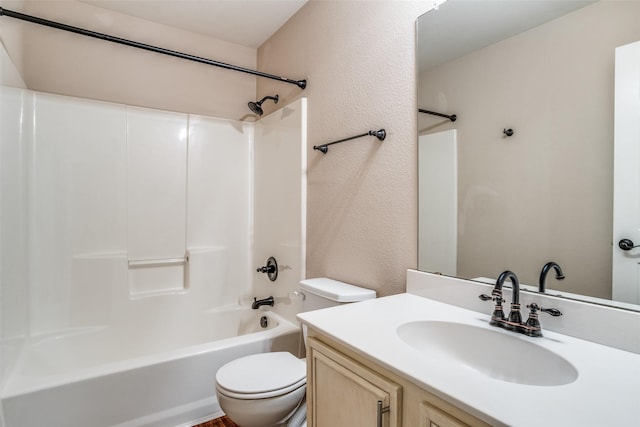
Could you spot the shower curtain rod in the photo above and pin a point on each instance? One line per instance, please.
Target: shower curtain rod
(12, 14)
(451, 117)
(380, 134)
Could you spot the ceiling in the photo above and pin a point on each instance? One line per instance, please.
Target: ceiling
(245, 22)
(459, 27)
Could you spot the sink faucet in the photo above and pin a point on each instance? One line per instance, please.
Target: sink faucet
(260, 302)
(497, 317)
(545, 270)
(514, 321)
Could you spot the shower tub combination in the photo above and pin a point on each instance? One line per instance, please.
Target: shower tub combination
(103, 377)
(126, 284)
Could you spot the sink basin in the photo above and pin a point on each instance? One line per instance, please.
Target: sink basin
(496, 353)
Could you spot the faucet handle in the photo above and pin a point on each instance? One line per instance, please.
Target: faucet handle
(498, 299)
(271, 269)
(498, 315)
(551, 311)
(532, 326)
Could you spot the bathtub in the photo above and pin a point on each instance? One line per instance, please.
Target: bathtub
(137, 375)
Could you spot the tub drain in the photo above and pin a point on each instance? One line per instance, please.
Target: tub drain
(264, 321)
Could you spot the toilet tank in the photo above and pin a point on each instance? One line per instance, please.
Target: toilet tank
(323, 292)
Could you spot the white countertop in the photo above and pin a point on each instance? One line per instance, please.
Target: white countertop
(606, 392)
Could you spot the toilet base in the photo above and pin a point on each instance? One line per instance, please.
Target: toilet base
(299, 417)
(273, 411)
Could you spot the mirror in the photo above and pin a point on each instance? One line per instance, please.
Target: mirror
(525, 173)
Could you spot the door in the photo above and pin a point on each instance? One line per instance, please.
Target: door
(343, 393)
(626, 193)
(438, 202)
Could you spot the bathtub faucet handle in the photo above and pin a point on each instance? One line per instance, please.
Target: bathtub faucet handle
(271, 269)
(266, 269)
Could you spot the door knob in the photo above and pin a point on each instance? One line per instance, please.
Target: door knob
(627, 244)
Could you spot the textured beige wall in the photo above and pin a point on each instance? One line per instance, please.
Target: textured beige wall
(358, 57)
(59, 62)
(11, 39)
(9, 74)
(359, 60)
(546, 192)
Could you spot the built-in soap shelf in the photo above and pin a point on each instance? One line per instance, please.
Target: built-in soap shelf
(161, 276)
(133, 263)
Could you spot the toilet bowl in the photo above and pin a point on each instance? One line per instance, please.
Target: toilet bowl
(268, 389)
(262, 389)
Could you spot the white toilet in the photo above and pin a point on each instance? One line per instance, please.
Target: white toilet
(268, 389)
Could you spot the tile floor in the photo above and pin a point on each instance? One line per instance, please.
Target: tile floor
(218, 422)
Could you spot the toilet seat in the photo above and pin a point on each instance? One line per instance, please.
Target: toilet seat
(255, 396)
(260, 376)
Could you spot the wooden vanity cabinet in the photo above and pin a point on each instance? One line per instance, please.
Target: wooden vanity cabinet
(432, 416)
(344, 388)
(342, 392)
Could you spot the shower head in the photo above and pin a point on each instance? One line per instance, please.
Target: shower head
(256, 107)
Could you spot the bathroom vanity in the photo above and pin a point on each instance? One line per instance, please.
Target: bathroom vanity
(344, 389)
(408, 360)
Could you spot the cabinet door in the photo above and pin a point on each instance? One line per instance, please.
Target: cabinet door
(430, 416)
(344, 393)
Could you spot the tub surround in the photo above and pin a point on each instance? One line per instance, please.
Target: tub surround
(116, 272)
(369, 330)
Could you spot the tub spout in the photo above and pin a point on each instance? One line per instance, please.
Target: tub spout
(260, 302)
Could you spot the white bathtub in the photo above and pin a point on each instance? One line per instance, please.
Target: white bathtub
(141, 375)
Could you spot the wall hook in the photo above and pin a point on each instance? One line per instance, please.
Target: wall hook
(508, 132)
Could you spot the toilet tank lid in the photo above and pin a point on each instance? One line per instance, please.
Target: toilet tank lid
(336, 290)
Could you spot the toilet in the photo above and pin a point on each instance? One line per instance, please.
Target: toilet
(268, 389)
